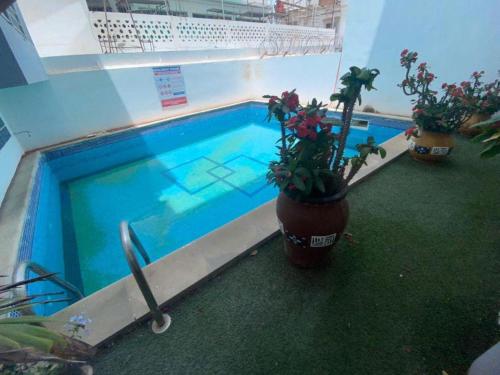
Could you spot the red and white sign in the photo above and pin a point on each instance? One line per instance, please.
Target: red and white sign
(170, 85)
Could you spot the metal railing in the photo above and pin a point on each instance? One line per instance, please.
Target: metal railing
(129, 239)
(21, 274)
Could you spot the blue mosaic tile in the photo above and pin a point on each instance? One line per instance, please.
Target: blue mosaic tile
(26, 244)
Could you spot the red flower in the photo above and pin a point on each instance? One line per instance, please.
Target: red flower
(312, 121)
(457, 92)
(444, 85)
(422, 66)
(292, 123)
(404, 52)
(292, 101)
(409, 132)
(272, 100)
(430, 77)
(417, 111)
(420, 75)
(465, 84)
(302, 131)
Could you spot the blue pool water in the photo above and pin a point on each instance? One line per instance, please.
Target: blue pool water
(174, 182)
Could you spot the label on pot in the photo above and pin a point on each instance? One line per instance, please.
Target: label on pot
(323, 241)
(440, 150)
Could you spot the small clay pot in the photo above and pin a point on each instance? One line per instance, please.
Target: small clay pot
(431, 146)
(467, 130)
(311, 228)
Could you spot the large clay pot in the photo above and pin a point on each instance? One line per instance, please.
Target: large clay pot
(467, 130)
(431, 146)
(311, 229)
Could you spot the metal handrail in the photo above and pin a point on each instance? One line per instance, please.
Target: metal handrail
(129, 239)
(21, 274)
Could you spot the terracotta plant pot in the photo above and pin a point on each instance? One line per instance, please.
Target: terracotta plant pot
(467, 130)
(431, 146)
(311, 229)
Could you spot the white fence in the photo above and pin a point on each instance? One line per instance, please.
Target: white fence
(125, 32)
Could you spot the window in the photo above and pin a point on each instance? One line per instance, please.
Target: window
(4, 134)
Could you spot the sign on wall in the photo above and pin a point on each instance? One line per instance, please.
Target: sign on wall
(170, 86)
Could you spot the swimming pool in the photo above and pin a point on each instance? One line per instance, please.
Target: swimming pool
(174, 182)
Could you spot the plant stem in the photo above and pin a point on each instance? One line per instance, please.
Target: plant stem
(346, 119)
(283, 141)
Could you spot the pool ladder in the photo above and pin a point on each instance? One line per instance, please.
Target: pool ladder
(161, 321)
(21, 274)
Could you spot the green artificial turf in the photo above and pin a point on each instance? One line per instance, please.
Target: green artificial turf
(417, 293)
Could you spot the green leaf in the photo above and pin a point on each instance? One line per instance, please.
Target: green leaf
(297, 181)
(25, 339)
(320, 184)
(28, 319)
(382, 151)
(491, 150)
(301, 171)
(8, 343)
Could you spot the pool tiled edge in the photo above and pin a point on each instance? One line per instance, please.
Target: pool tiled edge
(121, 304)
(14, 212)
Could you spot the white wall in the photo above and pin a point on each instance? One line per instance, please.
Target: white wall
(75, 104)
(313, 76)
(46, 19)
(72, 105)
(19, 61)
(10, 154)
(456, 37)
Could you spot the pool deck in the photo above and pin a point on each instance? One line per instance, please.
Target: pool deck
(120, 304)
(415, 292)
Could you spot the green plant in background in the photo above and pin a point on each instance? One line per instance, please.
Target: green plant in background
(26, 346)
(482, 98)
(312, 162)
(490, 136)
(442, 115)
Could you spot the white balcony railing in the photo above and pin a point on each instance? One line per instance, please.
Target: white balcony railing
(129, 32)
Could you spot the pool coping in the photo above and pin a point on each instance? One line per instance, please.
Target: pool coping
(120, 304)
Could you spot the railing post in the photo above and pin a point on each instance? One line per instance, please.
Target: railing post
(161, 321)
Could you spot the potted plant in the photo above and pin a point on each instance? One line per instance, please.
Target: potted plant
(27, 346)
(484, 100)
(312, 172)
(436, 118)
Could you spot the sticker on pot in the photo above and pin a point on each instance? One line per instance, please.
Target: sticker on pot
(439, 150)
(282, 229)
(323, 241)
(411, 145)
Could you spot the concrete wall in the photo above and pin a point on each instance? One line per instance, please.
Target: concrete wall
(19, 61)
(313, 76)
(456, 37)
(75, 104)
(46, 19)
(10, 154)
